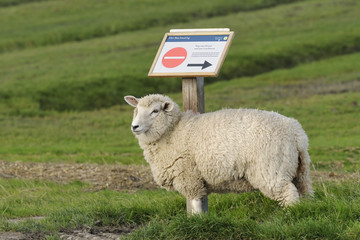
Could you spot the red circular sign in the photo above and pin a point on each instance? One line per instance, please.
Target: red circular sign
(174, 57)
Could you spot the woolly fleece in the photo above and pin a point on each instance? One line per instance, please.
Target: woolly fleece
(231, 150)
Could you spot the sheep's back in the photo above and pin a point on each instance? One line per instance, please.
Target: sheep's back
(225, 143)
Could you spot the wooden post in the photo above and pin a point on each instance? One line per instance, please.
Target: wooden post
(193, 99)
(193, 94)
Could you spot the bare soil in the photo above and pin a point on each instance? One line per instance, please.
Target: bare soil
(116, 177)
(85, 233)
(96, 233)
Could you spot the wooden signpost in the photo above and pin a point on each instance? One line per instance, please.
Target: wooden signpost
(192, 54)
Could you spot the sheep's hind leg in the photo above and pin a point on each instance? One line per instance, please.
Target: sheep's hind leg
(287, 194)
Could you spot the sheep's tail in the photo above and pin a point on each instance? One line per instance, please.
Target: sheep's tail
(302, 179)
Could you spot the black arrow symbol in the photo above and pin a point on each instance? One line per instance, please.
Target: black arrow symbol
(203, 65)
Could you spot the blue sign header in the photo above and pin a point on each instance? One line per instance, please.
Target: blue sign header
(198, 38)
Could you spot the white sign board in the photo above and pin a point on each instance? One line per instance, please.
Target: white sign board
(191, 54)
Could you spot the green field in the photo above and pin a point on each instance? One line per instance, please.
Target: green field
(65, 67)
(92, 74)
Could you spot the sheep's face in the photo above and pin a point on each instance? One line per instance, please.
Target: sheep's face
(153, 115)
(144, 118)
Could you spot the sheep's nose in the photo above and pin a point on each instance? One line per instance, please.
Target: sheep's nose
(134, 127)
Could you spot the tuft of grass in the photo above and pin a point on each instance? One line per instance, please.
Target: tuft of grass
(332, 214)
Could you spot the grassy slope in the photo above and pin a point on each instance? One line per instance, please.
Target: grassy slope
(7, 3)
(93, 74)
(101, 136)
(322, 95)
(54, 22)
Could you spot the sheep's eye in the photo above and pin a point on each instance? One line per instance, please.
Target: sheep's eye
(155, 111)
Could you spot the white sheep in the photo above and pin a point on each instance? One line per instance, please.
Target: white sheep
(231, 150)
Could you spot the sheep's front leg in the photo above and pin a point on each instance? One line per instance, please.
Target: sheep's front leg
(197, 206)
(191, 185)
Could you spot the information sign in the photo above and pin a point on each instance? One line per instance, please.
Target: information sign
(191, 54)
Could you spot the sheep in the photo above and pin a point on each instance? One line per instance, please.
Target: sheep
(230, 150)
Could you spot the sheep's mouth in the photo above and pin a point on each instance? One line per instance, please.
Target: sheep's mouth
(138, 131)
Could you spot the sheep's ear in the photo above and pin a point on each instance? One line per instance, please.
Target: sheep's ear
(131, 100)
(167, 106)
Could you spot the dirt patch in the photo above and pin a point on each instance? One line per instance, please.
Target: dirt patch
(85, 233)
(12, 236)
(319, 176)
(96, 233)
(116, 177)
(21, 236)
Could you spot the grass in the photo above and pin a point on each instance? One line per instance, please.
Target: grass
(324, 101)
(72, 205)
(333, 214)
(62, 88)
(7, 3)
(100, 137)
(55, 22)
(322, 95)
(92, 74)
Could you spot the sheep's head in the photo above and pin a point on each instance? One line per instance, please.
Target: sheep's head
(154, 115)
